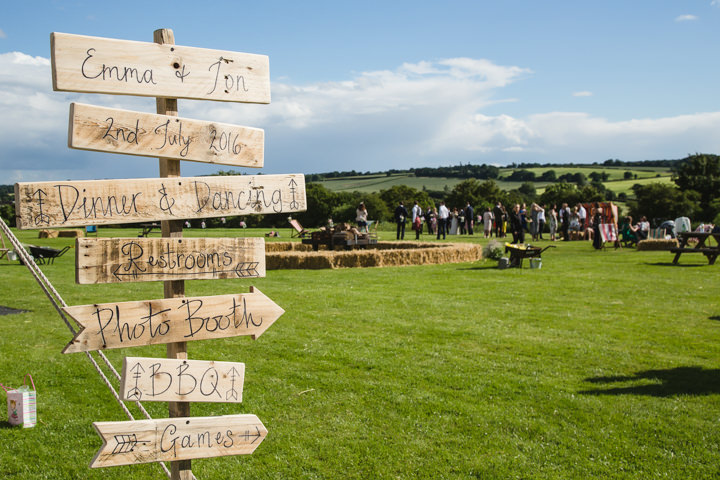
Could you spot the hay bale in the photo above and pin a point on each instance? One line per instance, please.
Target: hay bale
(48, 234)
(386, 254)
(71, 233)
(657, 244)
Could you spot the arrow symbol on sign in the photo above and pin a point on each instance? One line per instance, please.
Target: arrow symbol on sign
(242, 270)
(125, 443)
(294, 205)
(135, 393)
(232, 393)
(246, 269)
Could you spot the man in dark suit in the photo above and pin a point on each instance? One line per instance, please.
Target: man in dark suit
(565, 218)
(516, 227)
(401, 215)
(499, 219)
(469, 215)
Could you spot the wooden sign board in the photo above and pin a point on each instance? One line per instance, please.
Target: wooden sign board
(176, 380)
(103, 202)
(169, 320)
(115, 260)
(183, 438)
(122, 67)
(135, 133)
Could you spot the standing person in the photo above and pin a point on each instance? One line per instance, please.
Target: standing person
(453, 222)
(469, 218)
(596, 221)
(443, 214)
(498, 216)
(643, 228)
(516, 225)
(565, 219)
(582, 217)
(534, 220)
(488, 222)
(417, 220)
(428, 217)
(361, 215)
(540, 221)
(523, 217)
(401, 214)
(462, 221)
(552, 220)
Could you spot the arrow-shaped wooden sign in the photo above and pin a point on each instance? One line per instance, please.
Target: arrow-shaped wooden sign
(123, 67)
(150, 322)
(115, 260)
(136, 133)
(177, 380)
(182, 438)
(103, 202)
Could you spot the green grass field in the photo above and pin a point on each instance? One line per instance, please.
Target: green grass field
(616, 183)
(602, 364)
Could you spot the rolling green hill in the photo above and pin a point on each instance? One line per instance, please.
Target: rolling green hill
(616, 182)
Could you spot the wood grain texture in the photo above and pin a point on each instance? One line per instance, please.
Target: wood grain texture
(135, 133)
(176, 380)
(162, 321)
(115, 260)
(102, 202)
(142, 441)
(123, 67)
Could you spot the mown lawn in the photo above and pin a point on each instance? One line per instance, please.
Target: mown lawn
(599, 365)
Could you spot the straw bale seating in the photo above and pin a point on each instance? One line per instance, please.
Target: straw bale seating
(657, 244)
(290, 255)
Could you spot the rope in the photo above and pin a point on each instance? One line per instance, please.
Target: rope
(58, 303)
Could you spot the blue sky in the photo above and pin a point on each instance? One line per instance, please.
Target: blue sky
(377, 85)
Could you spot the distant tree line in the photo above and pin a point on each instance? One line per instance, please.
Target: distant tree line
(520, 171)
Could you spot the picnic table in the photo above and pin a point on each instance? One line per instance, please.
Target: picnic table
(147, 228)
(702, 246)
(520, 252)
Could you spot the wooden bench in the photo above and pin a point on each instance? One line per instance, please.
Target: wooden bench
(710, 252)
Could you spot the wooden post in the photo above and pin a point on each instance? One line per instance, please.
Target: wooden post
(181, 469)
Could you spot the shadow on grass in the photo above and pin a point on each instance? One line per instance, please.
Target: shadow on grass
(715, 317)
(670, 264)
(480, 267)
(668, 383)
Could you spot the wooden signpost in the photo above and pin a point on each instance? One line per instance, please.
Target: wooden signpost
(122, 67)
(172, 439)
(166, 380)
(103, 202)
(162, 321)
(135, 133)
(167, 72)
(115, 260)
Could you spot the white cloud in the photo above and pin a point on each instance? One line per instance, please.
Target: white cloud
(583, 93)
(2, 33)
(686, 18)
(424, 113)
(715, 3)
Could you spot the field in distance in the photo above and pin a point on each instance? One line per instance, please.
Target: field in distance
(616, 181)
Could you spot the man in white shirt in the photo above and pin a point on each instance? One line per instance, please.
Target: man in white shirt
(417, 226)
(443, 214)
(582, 216)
